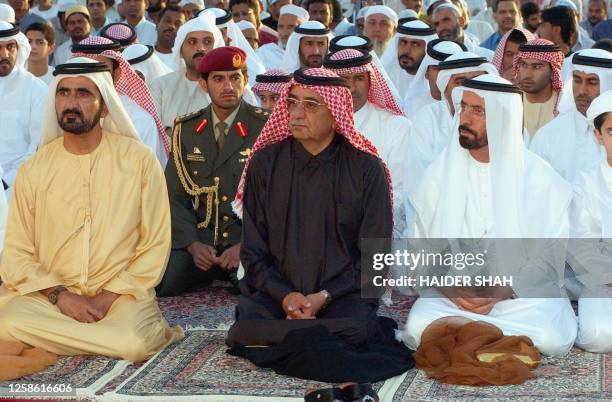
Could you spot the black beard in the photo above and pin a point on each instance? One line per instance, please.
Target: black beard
(79, 125)
(476, 143)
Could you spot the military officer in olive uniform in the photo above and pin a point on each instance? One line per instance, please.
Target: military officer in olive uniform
(209, 150)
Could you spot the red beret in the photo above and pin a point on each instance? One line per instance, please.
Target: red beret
(226, 58)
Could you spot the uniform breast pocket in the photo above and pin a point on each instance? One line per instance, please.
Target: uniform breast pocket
(200, 170)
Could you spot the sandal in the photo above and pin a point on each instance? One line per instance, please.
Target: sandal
(359, 393)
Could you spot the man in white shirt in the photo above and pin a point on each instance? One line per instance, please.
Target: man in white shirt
(22, 98)
(448, 21)
(591, 222)
(78, 27)
(171, 19)
(567, 142)
(380, 25)
(307, 46)
(291, 16)
(486, 185)
(406, 51)
(135, 17)
(378, 116)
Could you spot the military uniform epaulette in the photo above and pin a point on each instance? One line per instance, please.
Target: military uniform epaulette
(188, 116)
(259, 113)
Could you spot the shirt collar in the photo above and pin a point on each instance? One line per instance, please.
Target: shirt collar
(324, 156)
(229, 120)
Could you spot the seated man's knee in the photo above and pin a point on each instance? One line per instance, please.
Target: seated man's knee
(595, 335)
(417, 321)
(552, 340)
(134, 346)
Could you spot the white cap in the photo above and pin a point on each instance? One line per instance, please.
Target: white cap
(292, 9)
(199, 3)
(7, 13)
(244, 24)
(407, 13)
(386, 11)
(63, 5)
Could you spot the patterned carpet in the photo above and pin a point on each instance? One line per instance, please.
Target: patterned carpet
(199, 369)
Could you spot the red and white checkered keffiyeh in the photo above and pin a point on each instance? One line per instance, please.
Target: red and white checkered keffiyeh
(130, 84)
(379, 93)
(498, 57)
(120, 32)
(274, 87)
(555, 59)
(339, 102)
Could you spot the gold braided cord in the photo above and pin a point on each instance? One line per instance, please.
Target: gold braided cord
(192, 188)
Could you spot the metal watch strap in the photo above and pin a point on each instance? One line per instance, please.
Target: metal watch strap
(328, 298)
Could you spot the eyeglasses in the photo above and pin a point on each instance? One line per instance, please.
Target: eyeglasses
(475, 110)
(310, 106)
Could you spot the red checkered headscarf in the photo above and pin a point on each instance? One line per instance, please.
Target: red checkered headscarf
(129, 84)
(273, 80)
(338, 100)
(120, 32)
(544, 50)
(379, 93)
(498, 57)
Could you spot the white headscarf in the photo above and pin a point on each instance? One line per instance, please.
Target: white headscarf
(23, 45)
(600, 105)
(417, 30)
(7, 13)
(10, 83)
(292, 9)
(291, 58)
(244, 24)
(237, 39)
(386, 11)
(117, 121)
(440, 209)
(445, 75)
(605, 76)
(204, 23)
(420, 85)
(143, 59)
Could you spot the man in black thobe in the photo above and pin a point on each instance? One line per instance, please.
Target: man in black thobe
(313, 188)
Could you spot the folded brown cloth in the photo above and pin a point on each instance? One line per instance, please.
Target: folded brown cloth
(18, 360)
(457, 350)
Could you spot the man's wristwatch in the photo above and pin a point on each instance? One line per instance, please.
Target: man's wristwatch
(328, 298)
(55, 293)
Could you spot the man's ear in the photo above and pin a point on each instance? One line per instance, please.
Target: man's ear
(599, 137)
(462, 21)
(104, 111)
(51, 48)
(203, 85)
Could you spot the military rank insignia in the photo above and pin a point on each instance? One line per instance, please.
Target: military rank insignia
(201, 126)
(246, 153)
(242, 130)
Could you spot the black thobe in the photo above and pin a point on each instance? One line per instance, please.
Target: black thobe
(303, 217)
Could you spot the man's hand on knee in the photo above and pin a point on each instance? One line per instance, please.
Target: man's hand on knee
(297, 307)
(204, 256)
(81, 308)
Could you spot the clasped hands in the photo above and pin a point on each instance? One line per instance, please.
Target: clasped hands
(465, 299)
(84, 308)
(300, 307)
(205, 256)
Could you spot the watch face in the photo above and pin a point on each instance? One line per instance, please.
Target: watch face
(53, 297)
